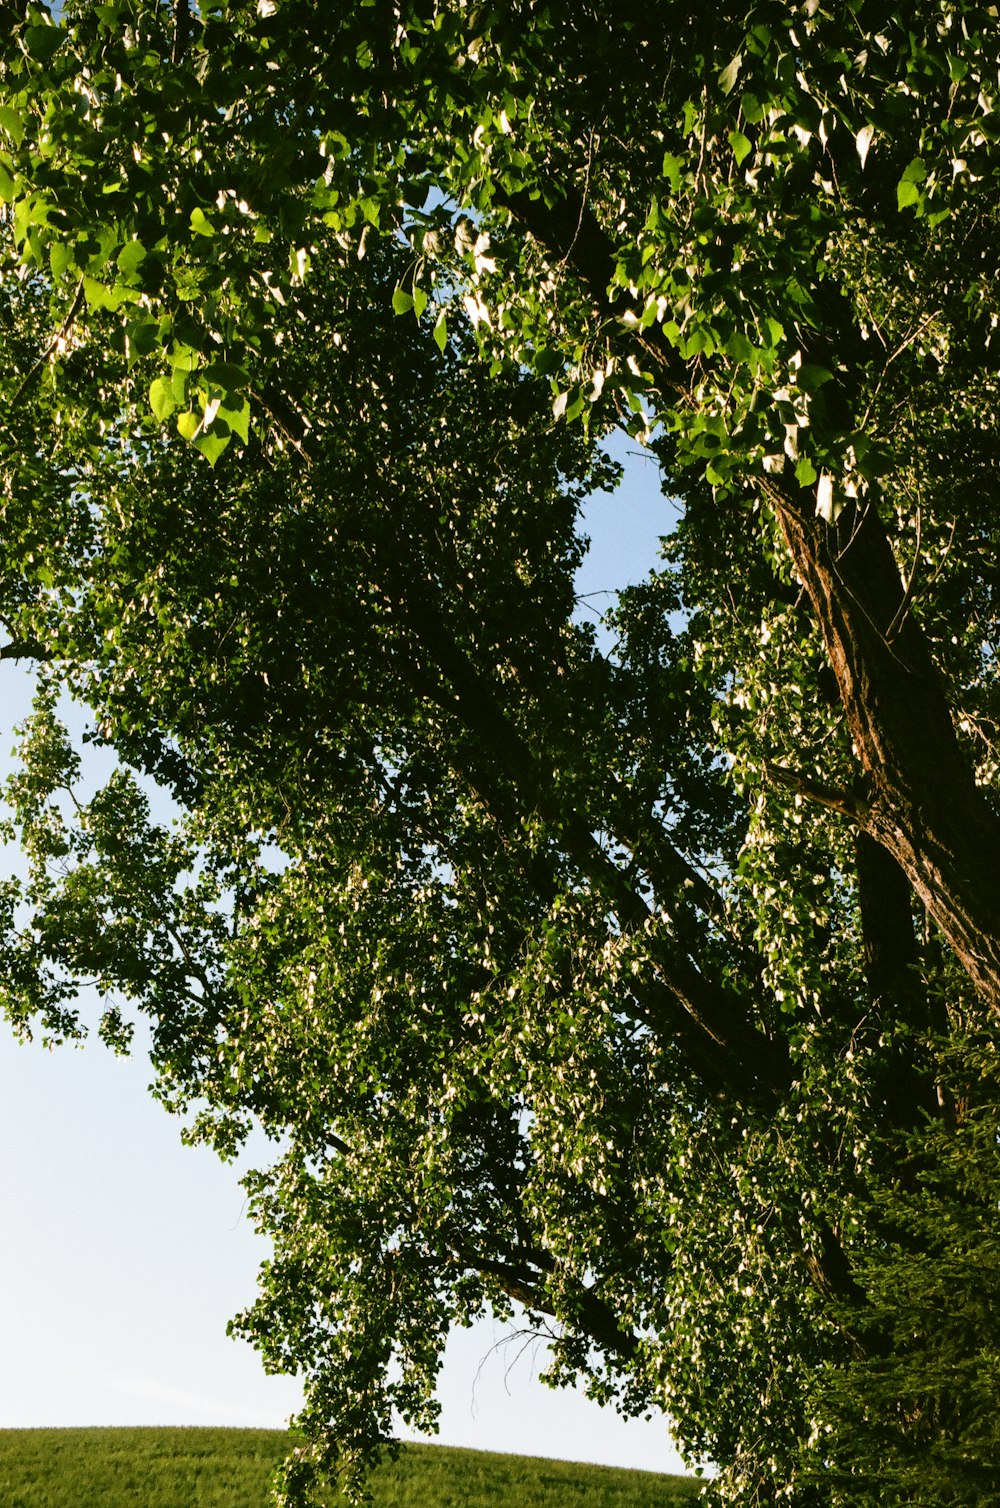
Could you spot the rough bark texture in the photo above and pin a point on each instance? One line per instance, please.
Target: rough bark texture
(900, 1010)
(922, 803)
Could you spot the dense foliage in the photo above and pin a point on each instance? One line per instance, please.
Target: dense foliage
(650, 989)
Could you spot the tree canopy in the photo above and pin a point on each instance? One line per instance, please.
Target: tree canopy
(652, 988)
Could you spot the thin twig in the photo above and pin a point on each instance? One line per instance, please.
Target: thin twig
(182, 21)
(583, 203)
(892, 357)
(899, 616)
(52, 346)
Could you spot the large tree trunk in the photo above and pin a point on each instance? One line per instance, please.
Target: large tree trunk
(922, 802)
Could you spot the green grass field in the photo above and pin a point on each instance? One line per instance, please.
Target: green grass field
(231, 1468)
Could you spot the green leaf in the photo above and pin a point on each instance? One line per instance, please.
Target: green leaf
(907, 193)
(741, 145)
(672, 170)
(238, 419)
(60, 258)
(97, 248)
(183, 358)
(228, 375)
(97, 295)
(211, 445)
(43, 41)
(739, 348)
(805, 472)
(402, 303)
(161, 398)
(200, 223)
(12, 123)
(141, 337)
(419, 300)
(119, 295)
(729, 74)
(188, 424)
(811, 377)
(131, 257)
(6, 183)
(441, 331)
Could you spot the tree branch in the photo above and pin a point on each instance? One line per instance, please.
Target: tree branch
(802, 784)
(182, 27)
(924, 805)
(572, 238)
(527, 1289)
(53, 345)
(25, 649)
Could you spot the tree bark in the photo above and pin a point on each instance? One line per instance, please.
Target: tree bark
(922, 803)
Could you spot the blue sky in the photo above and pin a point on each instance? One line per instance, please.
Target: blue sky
(124, 1253)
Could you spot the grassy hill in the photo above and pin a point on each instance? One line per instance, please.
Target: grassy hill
(230, 1468)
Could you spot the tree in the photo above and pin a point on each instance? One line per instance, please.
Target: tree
(652, 990)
